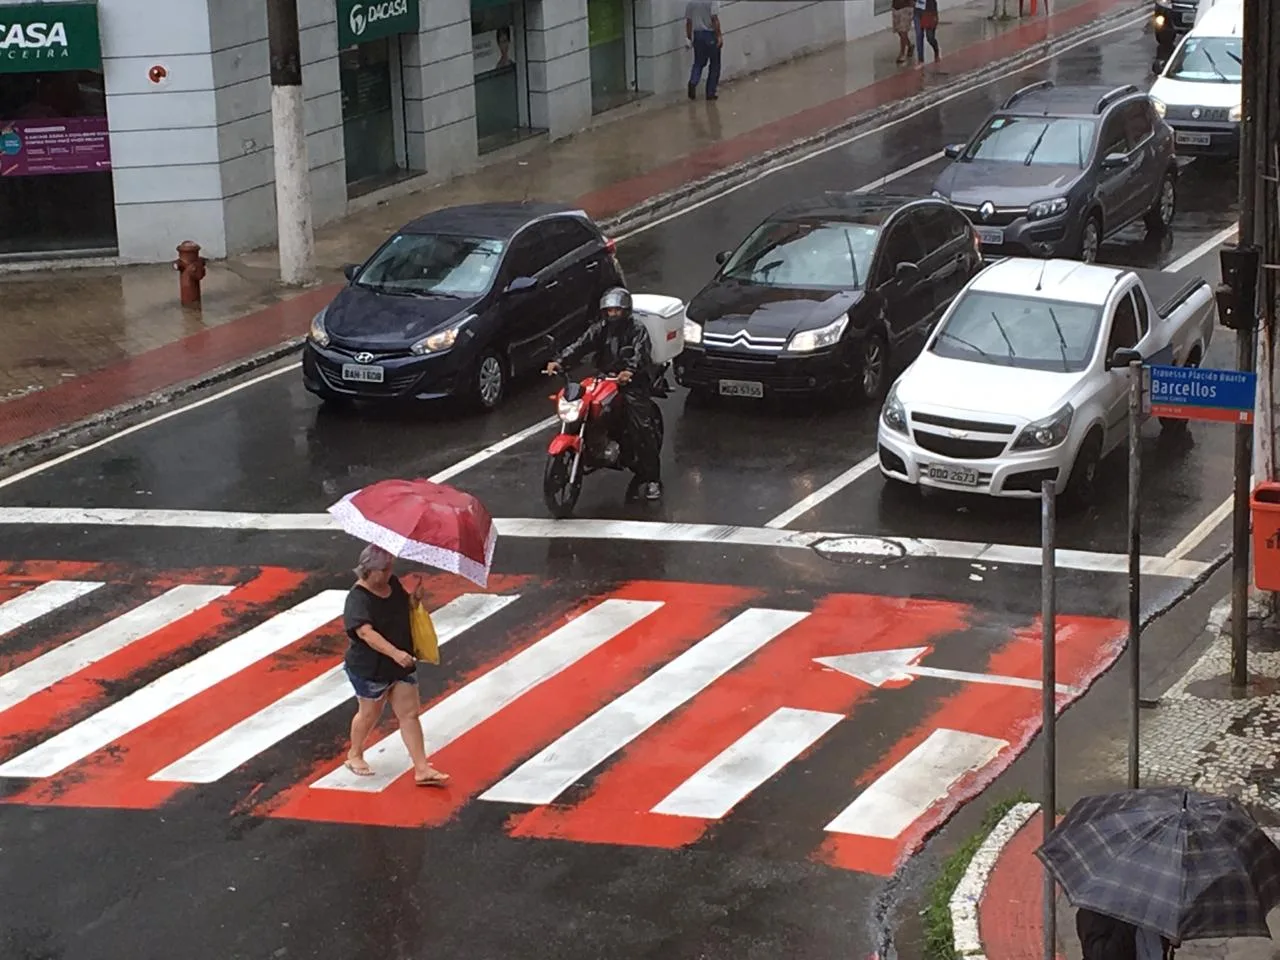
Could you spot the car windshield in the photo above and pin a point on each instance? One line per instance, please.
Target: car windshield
(1207, 60)
(1025, 332)
(1034, 140)
(823, 254)
(433, 265)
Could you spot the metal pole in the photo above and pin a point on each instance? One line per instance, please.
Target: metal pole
(1048, 698)
(1244, 350)
(1135, 564)
(296, 233)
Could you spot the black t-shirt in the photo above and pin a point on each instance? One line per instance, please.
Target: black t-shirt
(390, 617)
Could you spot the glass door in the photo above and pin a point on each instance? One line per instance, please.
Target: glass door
(607, 40)
(368, 112)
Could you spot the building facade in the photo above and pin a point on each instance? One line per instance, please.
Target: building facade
(127, 126)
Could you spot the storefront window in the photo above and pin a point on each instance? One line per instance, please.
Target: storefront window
(368, 112)
(607, 40)
(493, 32)
(56, 193)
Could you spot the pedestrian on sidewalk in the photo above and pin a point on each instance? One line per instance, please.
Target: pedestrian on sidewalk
(380, 662)
(926, 22)
(902, 21)
(702, 28)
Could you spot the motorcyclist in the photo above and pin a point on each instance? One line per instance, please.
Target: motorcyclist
(621, 343)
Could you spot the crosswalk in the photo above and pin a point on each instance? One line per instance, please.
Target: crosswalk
(642, 715)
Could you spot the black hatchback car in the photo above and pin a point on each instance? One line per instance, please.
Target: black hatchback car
(1056, 170)
(460, 301)
(832, 293)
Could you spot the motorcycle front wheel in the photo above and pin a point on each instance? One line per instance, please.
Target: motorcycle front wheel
(559, 492)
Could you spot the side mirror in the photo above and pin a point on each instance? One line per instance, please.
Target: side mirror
(521, 285)
(952, 151)
(350, 271)
(906, 272)
(1121, 359)
(1158, 65)
(1115, 161)
(723, 257)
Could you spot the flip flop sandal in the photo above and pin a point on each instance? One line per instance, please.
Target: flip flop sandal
(366, 772)
(435, 780)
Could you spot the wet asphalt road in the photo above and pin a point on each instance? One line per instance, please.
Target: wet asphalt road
(211, 873)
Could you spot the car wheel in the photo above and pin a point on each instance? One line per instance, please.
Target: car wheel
(1082, 486)
(1174, 428)
(489, 382)
(873, 368)
(1091, 239)
(1160, 216)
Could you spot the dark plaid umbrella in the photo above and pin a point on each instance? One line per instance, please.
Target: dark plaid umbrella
(1186, 865)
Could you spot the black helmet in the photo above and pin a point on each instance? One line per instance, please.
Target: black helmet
(616, 302)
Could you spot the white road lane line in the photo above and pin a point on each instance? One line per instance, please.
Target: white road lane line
(1201, 531)
(633, 530)
(176, 687)
(44, 599)
(899, 174)
(492, 450)
(73, 656)
(564, 762)
(754, 758)
(487, 695)
(915, 783)
(239, 744)
(1187, 259)
(825, 492)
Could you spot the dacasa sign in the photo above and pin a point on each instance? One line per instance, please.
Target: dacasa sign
(34, 41)
(360, 21)
(47, 36)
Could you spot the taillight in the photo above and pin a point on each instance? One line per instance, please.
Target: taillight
(610, 246)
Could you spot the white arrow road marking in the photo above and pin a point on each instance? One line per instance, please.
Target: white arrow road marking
(545, 776)
(242, 742)
(114, 635)
(915, 783)
(751, 760)
(878, 667)
(45, 598)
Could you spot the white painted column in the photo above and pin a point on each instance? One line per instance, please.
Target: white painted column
(293, 187)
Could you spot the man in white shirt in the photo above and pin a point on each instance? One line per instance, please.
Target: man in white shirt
(702, 27)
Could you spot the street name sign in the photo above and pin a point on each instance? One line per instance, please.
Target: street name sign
(1200, 393)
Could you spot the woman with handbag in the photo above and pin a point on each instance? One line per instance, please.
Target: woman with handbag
(926, 21)
(380, 662)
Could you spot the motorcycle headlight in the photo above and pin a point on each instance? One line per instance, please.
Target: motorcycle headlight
(441, 340)
(893, 414)
(1237, 113)
(1046, 433)
(569, 410)
(1161, 108)
(1160, 21)
(318, 334)
(806, 341)
(1047, 208)
(692, 331)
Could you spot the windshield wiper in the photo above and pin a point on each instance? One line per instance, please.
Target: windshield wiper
(770, 266)
(1062, 341)
(1213, 65)
(963, 342)
(853, 261)
(1000, 327)
(1035, 146)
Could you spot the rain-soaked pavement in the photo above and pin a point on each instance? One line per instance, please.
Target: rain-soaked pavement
(747, 804)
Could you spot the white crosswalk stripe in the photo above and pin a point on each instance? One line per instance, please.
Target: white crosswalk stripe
(44, 599)
(245, 740)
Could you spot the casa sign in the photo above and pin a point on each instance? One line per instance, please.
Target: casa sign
(40, 37)
(360, 21)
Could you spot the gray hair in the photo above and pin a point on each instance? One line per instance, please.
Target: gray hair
(372, 559)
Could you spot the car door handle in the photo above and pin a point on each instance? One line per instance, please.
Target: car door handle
(552, 285)
(593, 265)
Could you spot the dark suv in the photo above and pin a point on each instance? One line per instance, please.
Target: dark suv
(1056, 170)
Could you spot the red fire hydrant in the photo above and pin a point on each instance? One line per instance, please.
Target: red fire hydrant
(191, 270)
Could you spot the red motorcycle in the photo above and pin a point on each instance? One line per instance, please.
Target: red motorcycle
(591, 424)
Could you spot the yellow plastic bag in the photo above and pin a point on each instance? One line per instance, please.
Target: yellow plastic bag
(426, 645)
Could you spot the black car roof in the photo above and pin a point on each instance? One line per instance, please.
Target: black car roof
(869, 208)
(1044, 99)
(498, 221)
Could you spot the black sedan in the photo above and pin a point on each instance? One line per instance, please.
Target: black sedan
(459, 302)
(832, 293)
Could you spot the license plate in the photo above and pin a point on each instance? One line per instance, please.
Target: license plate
(362, 374)
(961, 476)
(741, 388)
(1193, 139)
(1188, 19)
(991, 237)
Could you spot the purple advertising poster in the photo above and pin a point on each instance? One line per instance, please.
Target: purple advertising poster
(33, 148)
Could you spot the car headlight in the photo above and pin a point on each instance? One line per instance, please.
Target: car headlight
(893, 414)
(1237, 113)
(1160, 106)
(692, 331)
(569, 410)
(1046, 433)
(441, 340)
(318, 334)
(1047, 208)
(806, 341)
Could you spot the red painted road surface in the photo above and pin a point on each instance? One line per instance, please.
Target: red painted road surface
(613, 801)
(203, 353)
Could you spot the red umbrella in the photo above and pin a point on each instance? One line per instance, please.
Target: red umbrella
(423, 521)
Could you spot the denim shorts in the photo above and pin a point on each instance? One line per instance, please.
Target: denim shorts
(375, 689)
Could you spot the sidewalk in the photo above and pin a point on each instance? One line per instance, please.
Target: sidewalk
(84, 342)
(1201, 736)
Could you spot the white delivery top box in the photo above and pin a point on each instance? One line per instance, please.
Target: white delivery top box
(663, 317)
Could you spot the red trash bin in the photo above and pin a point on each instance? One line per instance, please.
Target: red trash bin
(1265, 507)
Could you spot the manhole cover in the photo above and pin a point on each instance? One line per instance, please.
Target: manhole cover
(855, 549)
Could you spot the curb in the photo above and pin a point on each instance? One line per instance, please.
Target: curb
(965, 901)
(628, 220)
